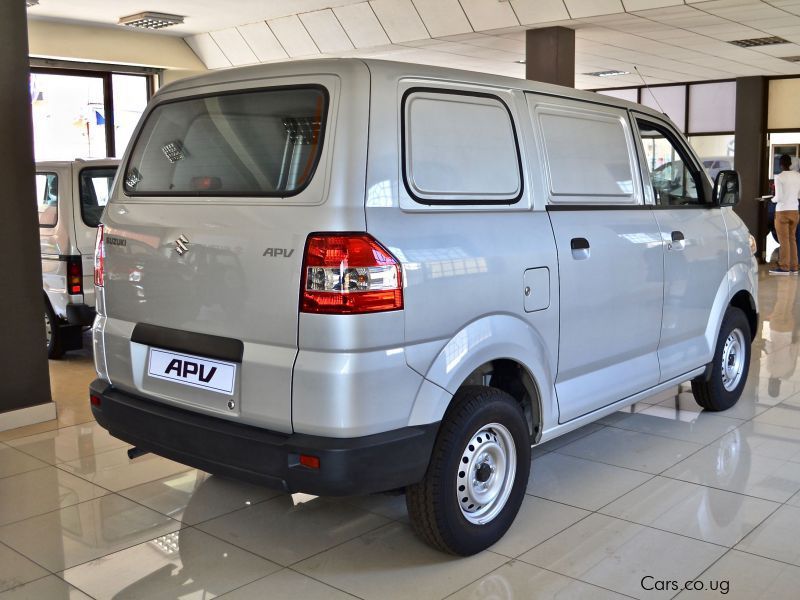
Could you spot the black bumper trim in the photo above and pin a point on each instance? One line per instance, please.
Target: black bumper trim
(348, 466)
(80, 314)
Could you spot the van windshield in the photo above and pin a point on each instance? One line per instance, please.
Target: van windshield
(255, 143)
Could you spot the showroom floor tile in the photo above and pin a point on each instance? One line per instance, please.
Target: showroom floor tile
(661, 490)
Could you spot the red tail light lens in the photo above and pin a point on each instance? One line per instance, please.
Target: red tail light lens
(349, 274)
(99, 258)
(74, 275)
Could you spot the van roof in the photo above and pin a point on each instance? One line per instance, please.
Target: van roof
(87, 162)
(397, 70)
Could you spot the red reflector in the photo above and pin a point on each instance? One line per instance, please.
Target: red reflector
(349, 273)
(312, 462)
(75, 289)
(99, 257)
(95, 400)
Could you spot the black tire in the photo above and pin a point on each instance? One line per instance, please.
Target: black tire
(54, 341)
(434, 503)
(712, 393)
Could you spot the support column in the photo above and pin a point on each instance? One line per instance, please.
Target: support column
(24, 376)
(750, 158)
(550, 55)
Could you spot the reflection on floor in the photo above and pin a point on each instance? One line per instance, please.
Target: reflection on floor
(657, 493)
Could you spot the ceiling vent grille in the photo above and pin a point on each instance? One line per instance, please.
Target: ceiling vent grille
(151, 20)
(755, 42)
(607, 73)
(791, 58)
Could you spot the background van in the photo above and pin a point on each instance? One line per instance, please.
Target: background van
(70, 197)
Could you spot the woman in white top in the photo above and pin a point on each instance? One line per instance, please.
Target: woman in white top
(787, 192)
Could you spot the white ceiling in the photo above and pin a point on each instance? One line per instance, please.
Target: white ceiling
(669, 40)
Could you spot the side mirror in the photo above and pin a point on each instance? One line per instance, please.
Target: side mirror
(726, 188)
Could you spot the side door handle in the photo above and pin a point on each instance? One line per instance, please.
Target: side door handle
(678, 241)
(579, 244)
(580, 248)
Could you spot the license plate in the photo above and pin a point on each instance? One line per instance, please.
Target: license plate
(204, 373)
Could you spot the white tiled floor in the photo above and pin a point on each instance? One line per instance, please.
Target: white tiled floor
(660, 490)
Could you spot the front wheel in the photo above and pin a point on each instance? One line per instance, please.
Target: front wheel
(722, 389)
(476, 479)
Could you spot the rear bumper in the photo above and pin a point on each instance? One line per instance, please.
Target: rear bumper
(80, 314)
(348, 466)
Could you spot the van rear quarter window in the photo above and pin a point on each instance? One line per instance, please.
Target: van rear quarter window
(254, 143)
(94, 186)
(460, 147)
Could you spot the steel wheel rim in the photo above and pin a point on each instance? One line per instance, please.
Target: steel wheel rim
(48, 329)
(733, 357)
(486, 473)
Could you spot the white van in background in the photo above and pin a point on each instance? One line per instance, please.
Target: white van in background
(70, 196)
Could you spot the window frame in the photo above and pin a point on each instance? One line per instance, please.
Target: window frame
(80, 189)
(702, 183)
(456, 201)
(580, 109)
(58, 198)
(326, 96)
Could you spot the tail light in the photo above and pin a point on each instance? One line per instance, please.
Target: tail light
(99, 258)
(349, 273)
(74, 275)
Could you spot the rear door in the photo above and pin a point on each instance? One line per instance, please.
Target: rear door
(610, 263)
(695, 246)
(91, 191)
(205, 240)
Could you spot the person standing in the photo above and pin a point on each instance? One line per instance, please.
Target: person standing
(787, 192)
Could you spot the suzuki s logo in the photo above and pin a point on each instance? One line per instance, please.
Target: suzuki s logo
(184, 368)
(277, 252)
(182, 245)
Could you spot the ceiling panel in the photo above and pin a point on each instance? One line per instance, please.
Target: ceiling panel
(442, 17)
(588, 8)
(400, 20)
(262, 41)
(632, 5)
(489, 14)
(361, 25)
(233, 46)
(293, 36)
(539, 11)
(326, 31)
(207, 50)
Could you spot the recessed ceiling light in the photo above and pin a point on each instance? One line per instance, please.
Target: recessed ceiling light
(520, 62)
(30, 3)
(608, 73)
(755, 42)
(151, 20)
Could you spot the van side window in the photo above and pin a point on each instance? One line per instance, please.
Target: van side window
(94, 186)
(588, 156)
(459, 147)
(47, 199)
(673, 175)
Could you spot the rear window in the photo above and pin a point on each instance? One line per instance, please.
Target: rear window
(95, 187)
(47, 199)
(259, 143)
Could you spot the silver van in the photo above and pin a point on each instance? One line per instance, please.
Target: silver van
(70, 197)
(349, 276)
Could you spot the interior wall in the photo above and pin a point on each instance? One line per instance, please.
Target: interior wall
(118, 45)
(784, 108)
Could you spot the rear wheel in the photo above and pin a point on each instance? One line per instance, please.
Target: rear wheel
(722, 389)
(52, 333)
(477, 475)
